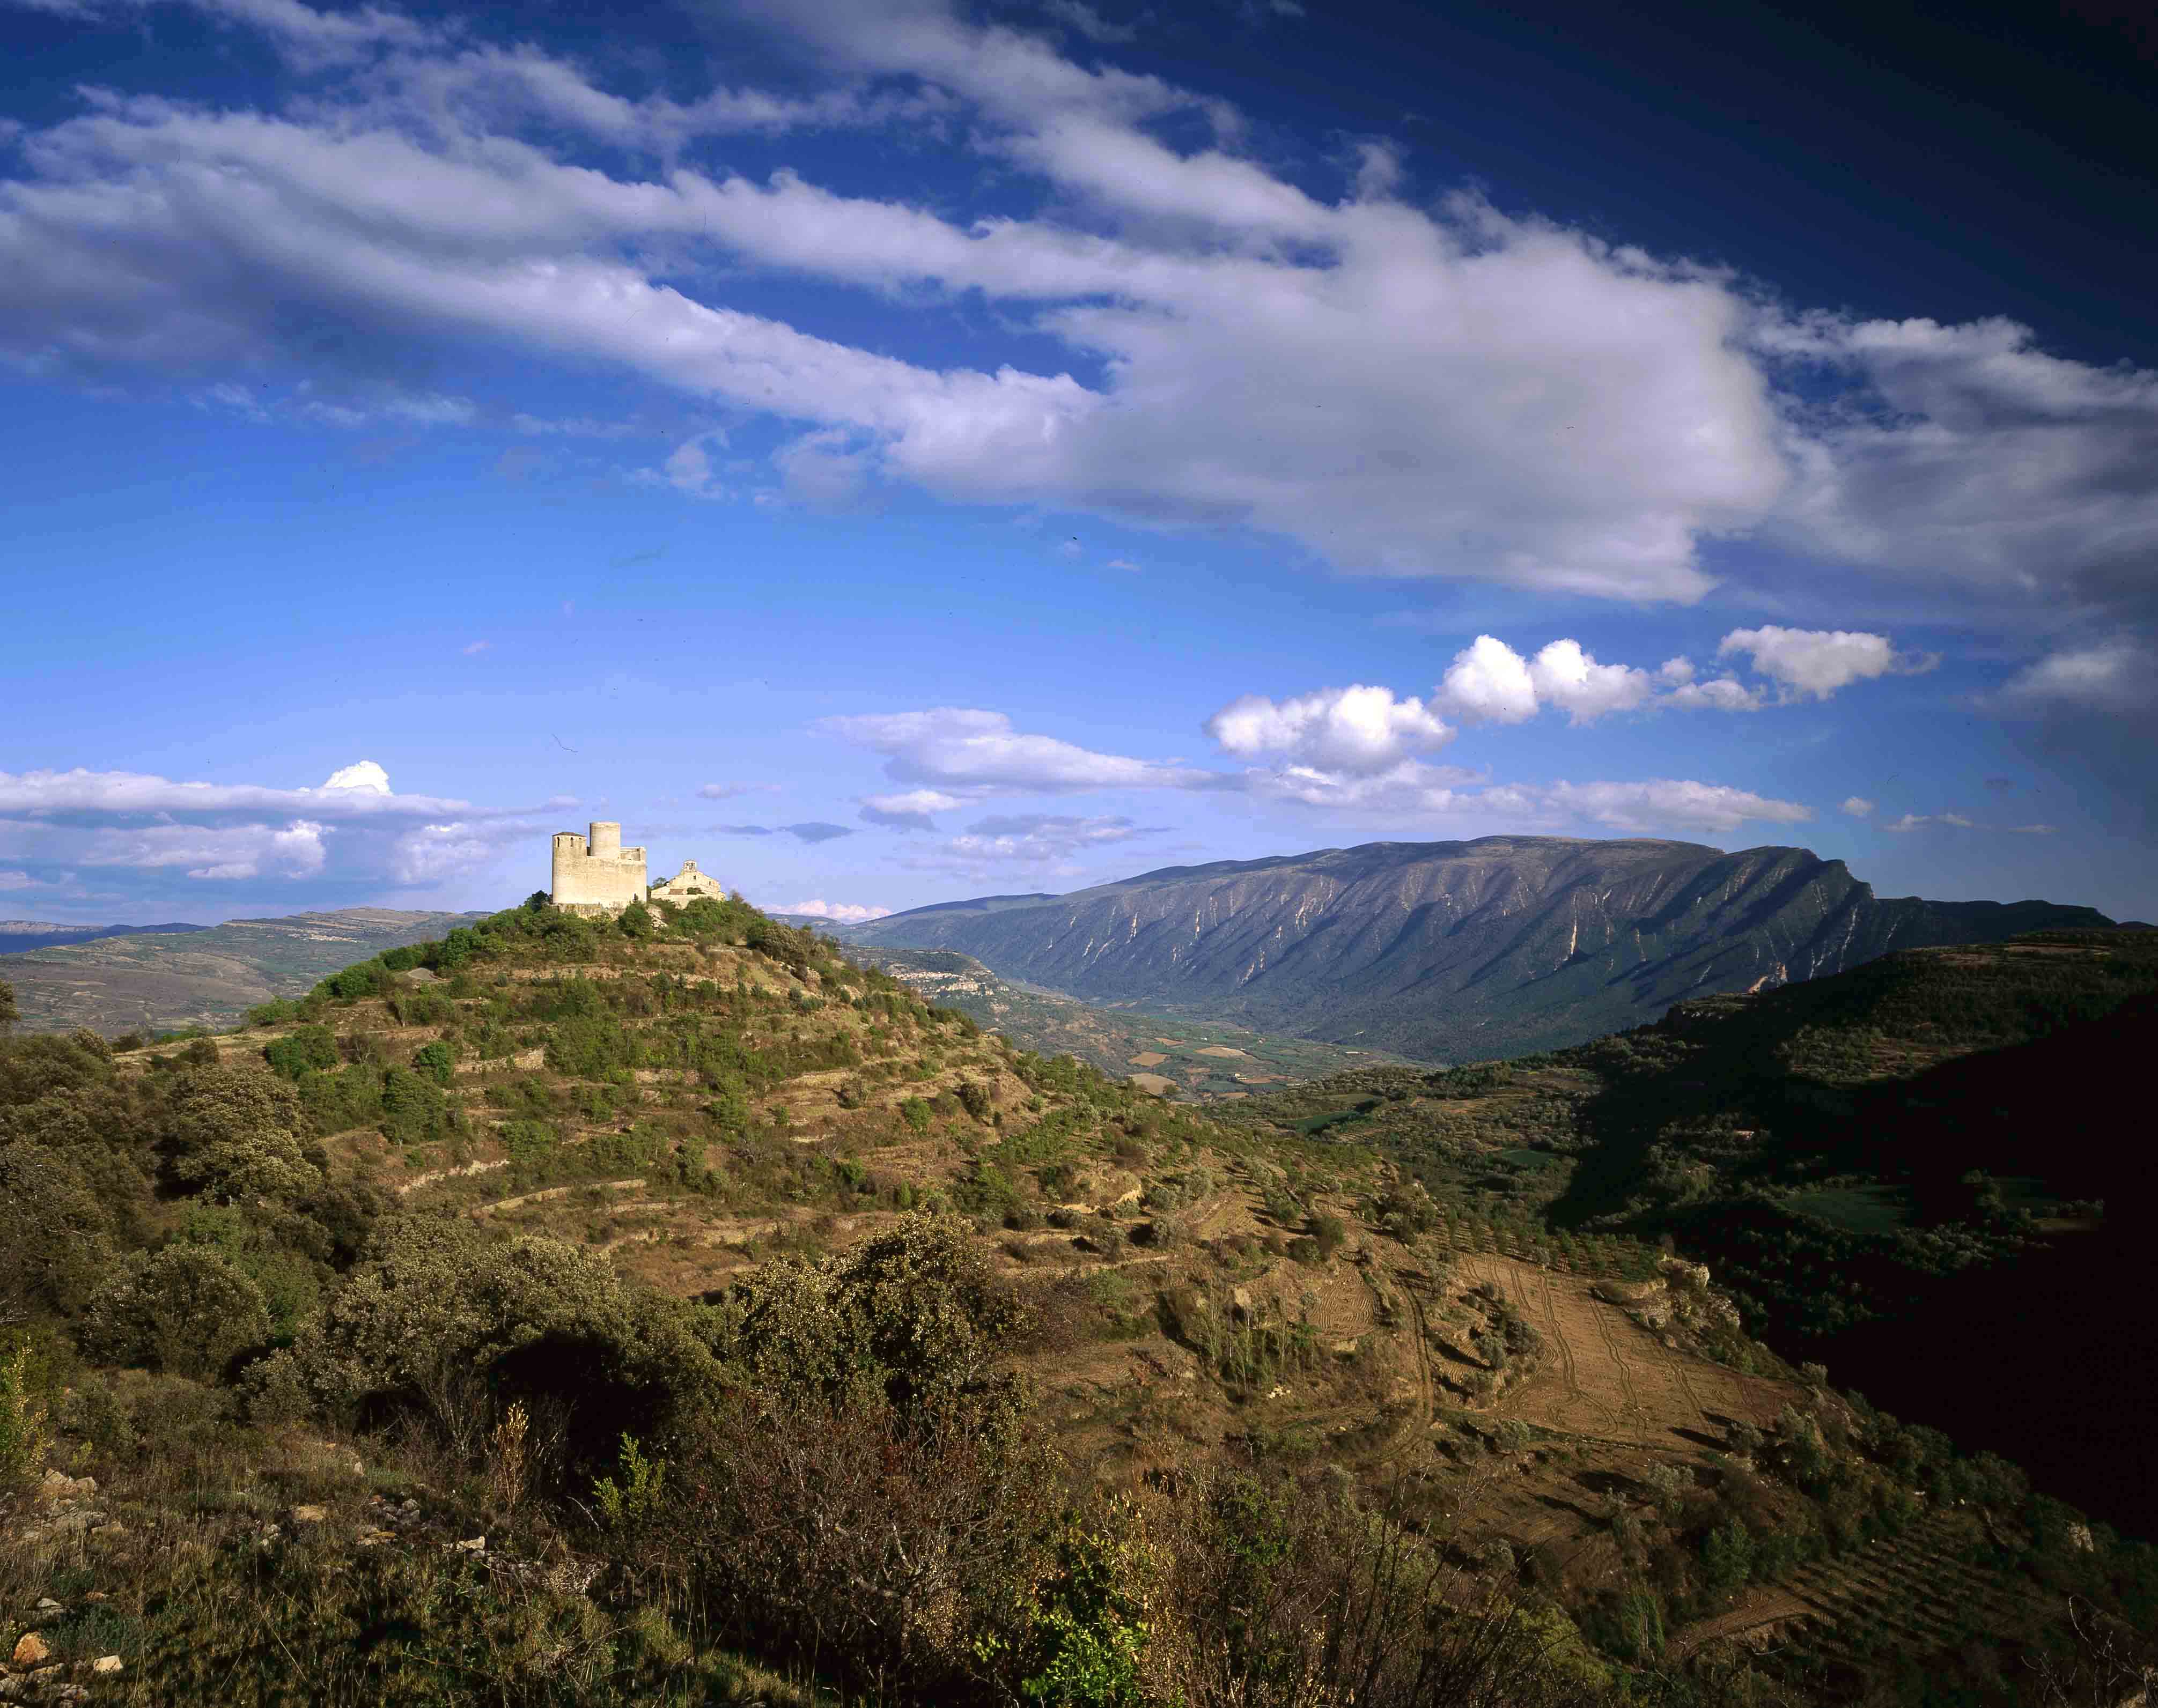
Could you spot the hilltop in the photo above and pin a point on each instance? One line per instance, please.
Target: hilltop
(1453, 951)
(202, 975)
(597, 1310)
(19, 936)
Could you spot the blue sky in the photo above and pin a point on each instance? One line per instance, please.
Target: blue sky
(901, 451)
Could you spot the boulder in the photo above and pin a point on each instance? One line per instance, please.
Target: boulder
(32, 1650)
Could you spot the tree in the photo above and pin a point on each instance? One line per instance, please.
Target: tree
(10, 1015)
(187, 1309)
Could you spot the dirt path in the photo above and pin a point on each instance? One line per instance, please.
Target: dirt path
(1772, 1605)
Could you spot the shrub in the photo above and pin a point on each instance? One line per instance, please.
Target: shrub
(916, 1113)
(23, 1436)
(304, 1049)
(437, 1060)
(187, 1309)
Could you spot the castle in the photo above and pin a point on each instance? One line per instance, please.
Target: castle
(596, 874)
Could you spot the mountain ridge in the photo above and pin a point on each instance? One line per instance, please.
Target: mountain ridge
(1502, 945)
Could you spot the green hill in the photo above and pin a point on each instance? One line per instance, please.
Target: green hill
(567, 1311)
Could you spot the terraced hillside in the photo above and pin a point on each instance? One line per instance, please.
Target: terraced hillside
(471, 1212)
(204, 976)
(1894, 1170)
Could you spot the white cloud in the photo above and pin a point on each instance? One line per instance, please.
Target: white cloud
(1964, 456)
(1358, 729)
(1488, 683)
(728, 791)
(1668, 803)
(960, 747)
(908, 811)
(1720, 693)
(2117, 676)
(1571, 680)
(841, 912)
(19, 880)
(1818, 661)
(1919, 821)
(1124, 564)
(1077, 15)
(1856, 807)
(366, 777)
(1402, 387)
(354, 827)
(212, 851)
(478, 646)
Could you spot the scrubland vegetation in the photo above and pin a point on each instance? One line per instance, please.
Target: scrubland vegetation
(665, 1309)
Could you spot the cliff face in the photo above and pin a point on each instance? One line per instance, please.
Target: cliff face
(1453, 951)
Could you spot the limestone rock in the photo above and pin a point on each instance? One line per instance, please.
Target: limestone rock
(32, 1650)
(309, 1515)
(106, 1666)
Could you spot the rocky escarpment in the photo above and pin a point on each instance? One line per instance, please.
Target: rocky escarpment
(1455, 950)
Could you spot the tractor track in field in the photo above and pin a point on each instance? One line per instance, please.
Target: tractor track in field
(1632, 1405)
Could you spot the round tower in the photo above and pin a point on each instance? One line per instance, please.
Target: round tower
(606, 839)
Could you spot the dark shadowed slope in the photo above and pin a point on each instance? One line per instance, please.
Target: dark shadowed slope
(1456, 950)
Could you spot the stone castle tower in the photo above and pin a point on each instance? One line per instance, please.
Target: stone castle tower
(596, 875)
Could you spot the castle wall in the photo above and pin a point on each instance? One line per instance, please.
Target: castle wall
(596, 875)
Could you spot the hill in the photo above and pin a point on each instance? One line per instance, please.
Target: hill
(1453, 951)
(1160, 1053)
(572, 1311)
(1927, 1172)
(203, 976)
(19, 936)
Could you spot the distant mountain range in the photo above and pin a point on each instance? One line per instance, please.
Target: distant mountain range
(151, 982)
(20, 936)
(1454, 950)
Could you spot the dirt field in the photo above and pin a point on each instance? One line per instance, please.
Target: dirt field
(1148, 1058)
(1223, 1050)
(1604, 1376)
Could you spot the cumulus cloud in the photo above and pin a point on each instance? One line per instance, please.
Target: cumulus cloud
(1720, 693)
(1856, 807)
(19, 880)
(1818, 661)
(1358, 729)
(2118, 676)
(954, 746)
(353, 828)
(840, 912)
(1033, 837)
(1489, 683)
(910, 810)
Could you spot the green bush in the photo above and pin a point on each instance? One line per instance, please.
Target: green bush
(437, 1060)
(235, 1133)
(188, 1310)
(304, 1049)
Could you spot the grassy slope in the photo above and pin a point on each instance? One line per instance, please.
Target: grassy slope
(210, 978)
(1182, 1309)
